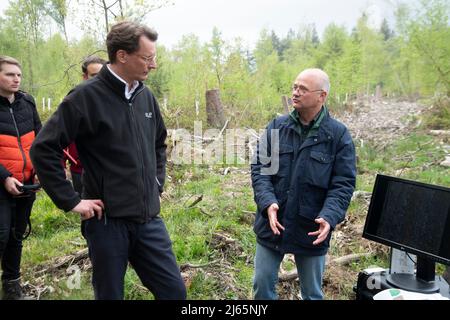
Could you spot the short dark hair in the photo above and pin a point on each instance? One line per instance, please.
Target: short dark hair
(9, 60)
(90, 60)
(125, 35)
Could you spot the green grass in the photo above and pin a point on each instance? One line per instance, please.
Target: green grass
(227, 208)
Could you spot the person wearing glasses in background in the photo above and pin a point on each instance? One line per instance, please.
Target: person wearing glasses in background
(303, 177)
(120, 135)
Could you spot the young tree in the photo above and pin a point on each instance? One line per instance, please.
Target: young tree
(57, 10)
(385, 30)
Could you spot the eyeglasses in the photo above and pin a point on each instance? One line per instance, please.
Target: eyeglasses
(302, 90)
(147, 59)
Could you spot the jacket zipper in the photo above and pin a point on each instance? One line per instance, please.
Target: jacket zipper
(20, 145)
(133, 118)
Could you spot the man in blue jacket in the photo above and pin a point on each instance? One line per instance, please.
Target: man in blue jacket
(303, 177)
(120, 135)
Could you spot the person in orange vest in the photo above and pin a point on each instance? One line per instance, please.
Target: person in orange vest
(19, 124)
(90, 67)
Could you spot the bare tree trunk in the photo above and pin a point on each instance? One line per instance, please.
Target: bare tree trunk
(30, 68)
(105, 9)
(121, 9)
(214, 109)
(65, 32)
(287, 102)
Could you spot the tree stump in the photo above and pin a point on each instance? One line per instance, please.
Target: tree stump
(214, 109)
(378, 93)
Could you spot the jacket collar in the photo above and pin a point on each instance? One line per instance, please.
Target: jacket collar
(325, 129)
(117, 86)
(17, 96)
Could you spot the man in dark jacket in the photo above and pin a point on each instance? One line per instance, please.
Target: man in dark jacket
(120, 135)
(90, 67)
(19, 123)
(303, 178)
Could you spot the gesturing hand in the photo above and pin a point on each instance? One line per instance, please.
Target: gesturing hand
(272, 212)
(322, 233)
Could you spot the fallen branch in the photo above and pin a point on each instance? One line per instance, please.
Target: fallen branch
(288, 276)
(205, 213)
(440, 132)
(200, 198)
(185, 266)
(341, 261)
(67, 260)
(224, 238)
(221, 131)
(345, 260)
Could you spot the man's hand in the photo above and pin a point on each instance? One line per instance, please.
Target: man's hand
(272, 212)
(88, 208)
(323, 231)
(11, 184)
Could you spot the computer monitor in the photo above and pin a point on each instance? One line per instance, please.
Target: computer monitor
(413, 217)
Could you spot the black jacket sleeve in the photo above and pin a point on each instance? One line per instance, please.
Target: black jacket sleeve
(160, 148)
(46, 154)
(4, 173)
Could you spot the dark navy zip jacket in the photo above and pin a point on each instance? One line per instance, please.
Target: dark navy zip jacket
(121, 144)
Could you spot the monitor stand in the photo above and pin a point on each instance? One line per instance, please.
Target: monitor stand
(423, 281)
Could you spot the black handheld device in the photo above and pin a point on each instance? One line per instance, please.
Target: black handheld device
(29, 187)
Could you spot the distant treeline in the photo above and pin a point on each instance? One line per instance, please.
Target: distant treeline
(408, 59)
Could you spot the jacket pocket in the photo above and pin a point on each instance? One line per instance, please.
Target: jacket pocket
(299, 235)
(282, 163)
(320, 166)
(308, 212)
(281, 179)
(322, 157)
(284, 160)
(121, 197)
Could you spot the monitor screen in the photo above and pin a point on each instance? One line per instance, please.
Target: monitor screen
(410, 216)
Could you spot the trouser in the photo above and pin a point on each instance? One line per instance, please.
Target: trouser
(147, 246)
(267, 263)
(76, 182)
(14, 217)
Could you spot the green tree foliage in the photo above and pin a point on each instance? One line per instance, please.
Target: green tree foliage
(429, 35)
(57, 10)
(408, 59)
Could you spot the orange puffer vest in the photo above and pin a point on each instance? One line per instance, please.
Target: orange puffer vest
(19, 123)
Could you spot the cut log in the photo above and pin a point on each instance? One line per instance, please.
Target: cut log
(345, 260)
(341, 261)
